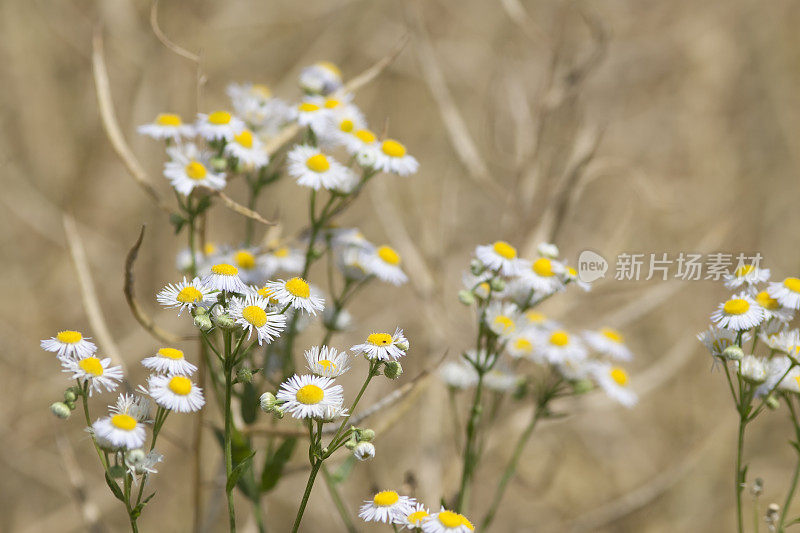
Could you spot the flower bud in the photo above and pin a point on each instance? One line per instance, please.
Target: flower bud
(772, 402)
(226, 321)
(752, 370)
(546, 249)
(366, 159)
(219, 164)
(267, 402)
(70, 396)
(366, 435)
(733, 353)
(135, 457)
(244, 375)
(203, 322)
(364, 451)
(351, 444)
(497, 284)
(582, 386)
(392, 369)
(466, 297)
(71, 405)
(61, 410)
(403, 345)
(476, 267)
(117, 471)
(277, 412)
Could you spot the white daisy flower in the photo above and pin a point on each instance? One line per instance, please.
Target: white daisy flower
(458, 375)
(344, 124)
(383, 346)
(786, 341)
(786, 292)
(500, 257)
(740, 313)
(359, 140)
(349, 237)
(351, 262)
(169, 361)
(387, 506)
(614, 381)
(142, 463)
(772, 308)
(479, 285)
(98, 372)
(327, 362)
(248, 149)
(537, 320)
(364, 451)
(313, 115)
(414, 518)
(166, 126)
(501, 319)
(322, 77)
(749, 275)
(500, 380)
(753, 369)
(225, 277)
(255, 104)
(541, 275)
(384, 264)
(310, 396)
(297, 293)
(609, 342)
(547, 249)
(69, 344)
(119, 431)
(717, 339)
(218, 125)
(447, 522)
(522, 345)
(183, 260)
(175, 393)
(776, 368)
(393, 157)
(134, 405)
(188, 169)
(185, 295)
(570, 276)
(311, 168)
(574, 368)
(253, 314)
(284, 259)
(251, 267)
(558, 345)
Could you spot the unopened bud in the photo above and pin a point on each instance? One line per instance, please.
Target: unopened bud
(366, 158)
(219, 163)
(466, 297)
(582, 386)
(277, 412)
(476, 267)
(61, 410)
(758, 487)
(69, 396)
(366, 435)
(350, 444)
(773, 513)
(135, 457)
(403, 345)
(733, 353)
(392, 370)
(546, 249)
(244, 375)
(71, 405)
(752, 369)
(203, 322)
(497, 284)
(226, 321)
(267, 402)
(772, 402)
(364, 451)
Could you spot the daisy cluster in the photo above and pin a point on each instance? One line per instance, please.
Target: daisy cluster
(505, 291)
(758, 314)
(389, 507)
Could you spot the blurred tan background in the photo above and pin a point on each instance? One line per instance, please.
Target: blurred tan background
(620, 125)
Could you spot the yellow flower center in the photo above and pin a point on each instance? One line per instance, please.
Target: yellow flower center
(393, 148)
(171, 353)
(332, 103)
(327, 65)
(619, 376)
(245, 138)
(736, 306)
(572, 272)
(168, 119)
(91, 365)
(196, 170)
(385, 498)
(612, 335)
(766, 301)
(523, 344)
(318, 163)
(327, 365)
(69, 337)
(506, 323)
(346, 125)
(224, 269)
(535, 317)
(466, 522)
(261, 90)
(380, 339)
(744, 270)
(389, 255)
(180, 385)
(543, 267)
(559, 338)
(246, 260)
(417, 516)
(219, 118)
(450, 519)
(504, 250)
(308, 107)
(266, 293)
(298, 287)
(255, 315)
(793, 284)
(123, 422)
(310, 395)
(365, 136)
(209, 249)
(797, 379)
(189, 295)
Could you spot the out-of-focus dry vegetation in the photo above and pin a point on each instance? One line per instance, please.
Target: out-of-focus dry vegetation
(673, 124)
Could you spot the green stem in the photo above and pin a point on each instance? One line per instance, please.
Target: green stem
(337, 500)
(740, 475)
(469, 464)
(85, 400)
(228, 429)
(309, 485)
(796, 474)
(373, 368)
